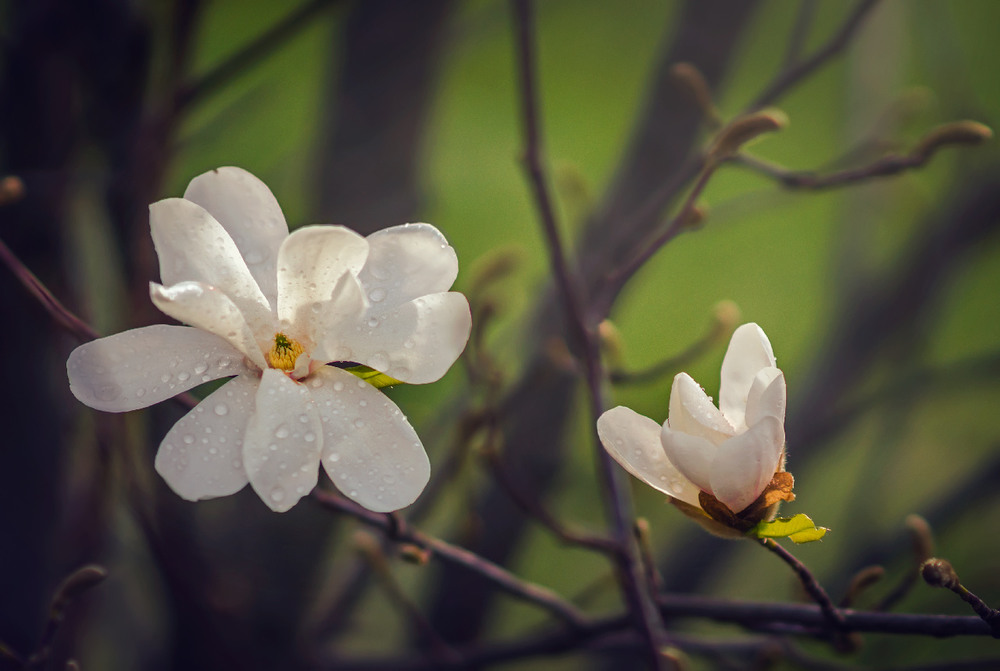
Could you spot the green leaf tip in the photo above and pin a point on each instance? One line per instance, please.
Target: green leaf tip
(373, 377)
(798, 529)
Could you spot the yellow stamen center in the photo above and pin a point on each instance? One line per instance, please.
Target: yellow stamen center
(284, 353)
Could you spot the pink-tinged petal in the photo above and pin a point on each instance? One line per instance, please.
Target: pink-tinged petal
(370, 451)
(311, 261)
(406, 262)
(692, 411)
(283, 442)
(248, 211)
(634, 442)
(201, 457)
(193, 246)
(416, 342)
(746, 463)
(208, 309)
(138, 368)
(767, 396)
(691, 455)
(749, 351)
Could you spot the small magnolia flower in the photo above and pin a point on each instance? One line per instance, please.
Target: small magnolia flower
(704, 456)
(272, 309)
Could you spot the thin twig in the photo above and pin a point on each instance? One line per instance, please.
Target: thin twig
(632, 580)
(812, 586)
(534, 509)
(791, 76)
(526, 591)
(59, 312)
(247, 57)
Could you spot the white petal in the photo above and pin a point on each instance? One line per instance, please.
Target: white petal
(692, 411)
(193, 246)
(247, 209)
(746, 463)
(749, 351)
(406, 262)
(767, 396)
(137, 368)
(281, 449)
(310, 263)
(416, 342)
(634, 442)
(201, 457)
(370, 451)
(208, 309)
(691, 455)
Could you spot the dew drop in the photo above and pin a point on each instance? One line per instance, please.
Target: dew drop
(338, 386)
(107, 392)
(315, 383)
(221, 409)
(281, 432)
(213, 450)
(362, 403)
(139, 393)
(379, 361)
(359, 423)
(304, 419)
(273, 447)
(183, 376)
(333, 457)
(200, 368)
(165, 378)
(188, 439)
(277, 494)
(309, 437)
(377, 295)
(408, 343)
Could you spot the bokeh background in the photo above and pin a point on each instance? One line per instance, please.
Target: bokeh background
(880, 299)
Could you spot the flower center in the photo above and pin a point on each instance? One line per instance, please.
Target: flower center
(284, 353)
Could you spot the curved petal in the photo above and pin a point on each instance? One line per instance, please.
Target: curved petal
(201, 457)
(248, 211)
(337, 321)
(208, 309)
(634, 442)
(767, 396)
(370, 451)
(135, 369)
(416, 342)
(193, 246)
(692, 411)
(310, 263)
(691, 455)
(746, 463)
(749, 351)
(283, 441)
(406, 262)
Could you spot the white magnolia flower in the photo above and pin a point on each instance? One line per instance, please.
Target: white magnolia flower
(731, 452)
(272, 309)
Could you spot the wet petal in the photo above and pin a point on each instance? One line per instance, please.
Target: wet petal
(138, 368)
(749, 351)
(248, 211)
(193, 246)
(691, 455)
(416, 342)
(766, 397)
(406, 262)
(202, 455)
(634, 442)
(281, 449)
(746, 463)
(370, 451)
(692, 411)
(208, 309)
(310, 263)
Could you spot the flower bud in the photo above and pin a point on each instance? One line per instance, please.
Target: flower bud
(939, 573)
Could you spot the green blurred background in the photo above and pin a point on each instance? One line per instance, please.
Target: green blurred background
(913, 426)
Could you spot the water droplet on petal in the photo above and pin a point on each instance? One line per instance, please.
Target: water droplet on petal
(188, 439)
(281, 432)
(338, 386)
(334, 457)
(183, 376)
(309, 437)
(408, 343)
(200, 368)
(377, 295)
(221, 409)
(277, 494)
(139, 393)
(359, 423)
(379, 361)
